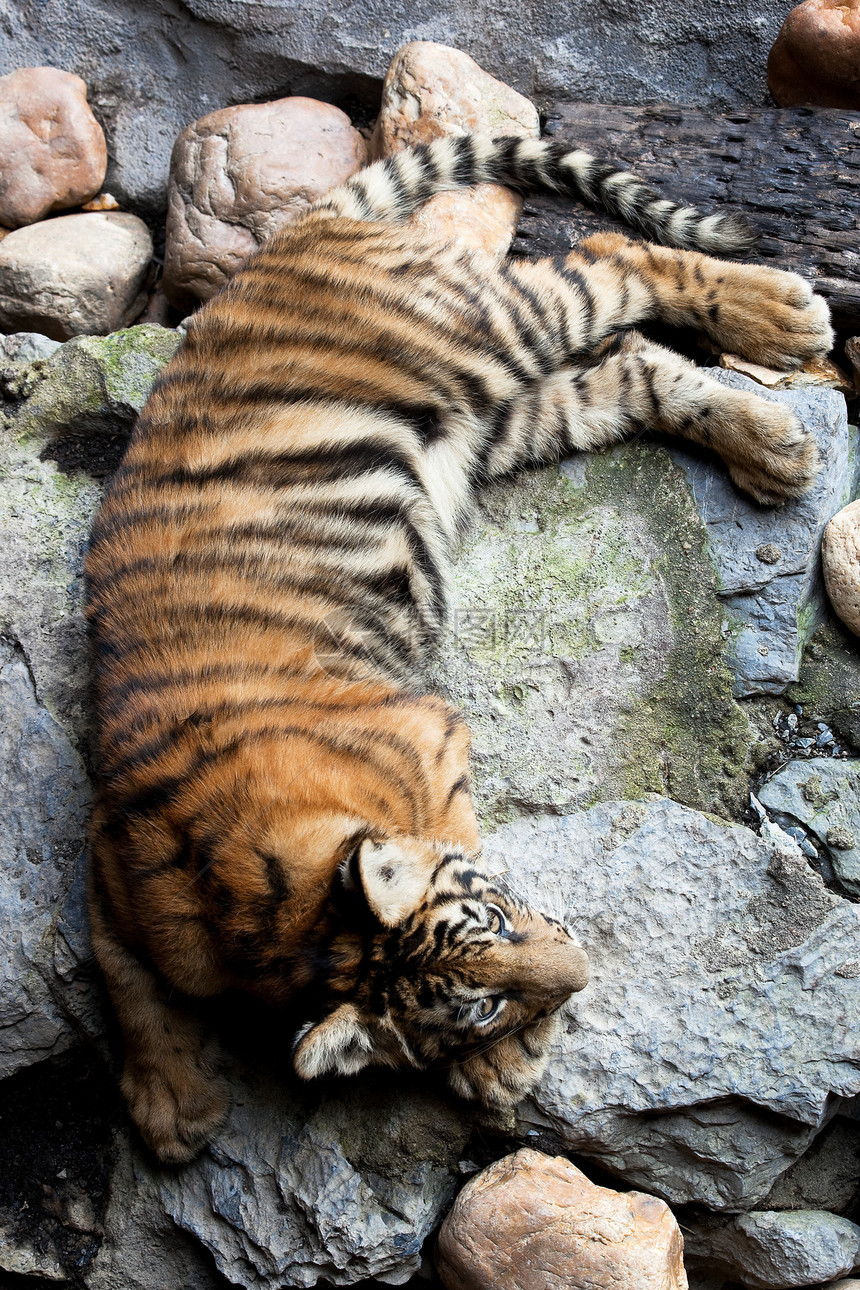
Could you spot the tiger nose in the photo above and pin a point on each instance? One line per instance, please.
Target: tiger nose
(567, 969)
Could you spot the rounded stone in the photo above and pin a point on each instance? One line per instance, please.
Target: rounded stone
(431, 92)
(815, 58)
(535, 1222)
(840, 560)
(238, 175)
(52, 149)
(74, 275)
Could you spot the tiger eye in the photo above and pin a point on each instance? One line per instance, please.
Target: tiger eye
(495, 920)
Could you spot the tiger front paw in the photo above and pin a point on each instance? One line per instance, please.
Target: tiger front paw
(773, 458)
(768, 317)
(176, 1108)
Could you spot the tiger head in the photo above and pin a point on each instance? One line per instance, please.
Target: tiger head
(440, 966)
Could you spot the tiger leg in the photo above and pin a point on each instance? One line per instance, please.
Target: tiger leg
(170, 1080)
(767, 315)
(635, 384)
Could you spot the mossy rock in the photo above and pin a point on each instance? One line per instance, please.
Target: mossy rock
(586, 643)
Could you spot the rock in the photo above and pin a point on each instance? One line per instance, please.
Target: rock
(822, 373)
(816, 56)
(840, 562)
(830, 682)
(696, 1091)
(341, 1187)
(531, 1222)
(52, 149)
(22, 348)
(584, 645)
(143, 1249)
(239, 174)
(158, 309)
(775, 1251)
(45, 789)
(852, 353)
(74, 274)
(824, 796)
(432, 91)
(78, 416)
(771, 611)
(827, 1176)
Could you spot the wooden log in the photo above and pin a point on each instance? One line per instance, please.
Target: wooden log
(793, 172)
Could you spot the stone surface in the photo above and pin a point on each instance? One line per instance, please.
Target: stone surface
(824, 796)
(775, 1251)
(432, 91)
(772, 608)
(840, 562)
(816, 56)
(678, 1070)
(585, 643)
(339, 1188)
(23, 347)
(830, 682)
(534, 1222)
(239, 174)
(74, 274)
(45, 794)
(77, 416)
(143, 1249)
(147, 85)
(827, 1176)
(52, 149)
(852, 353)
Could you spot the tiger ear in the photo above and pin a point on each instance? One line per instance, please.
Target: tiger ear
(337, 1045)
(394, 877)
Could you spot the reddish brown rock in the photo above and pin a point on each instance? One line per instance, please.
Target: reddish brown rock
(239, 174)
(535, 1222)
(815, 58)
(74, 275)
(840, 560)
(52, 149)
(432, 91)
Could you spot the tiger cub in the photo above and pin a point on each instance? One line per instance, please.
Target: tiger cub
(282, 810)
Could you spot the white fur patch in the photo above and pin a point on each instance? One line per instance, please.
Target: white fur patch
(395, 878)
(338, 1045)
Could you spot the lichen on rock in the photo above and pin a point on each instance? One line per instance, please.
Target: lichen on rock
(585, 642)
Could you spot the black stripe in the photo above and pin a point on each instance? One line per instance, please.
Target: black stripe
(145, 801)
(283, 469)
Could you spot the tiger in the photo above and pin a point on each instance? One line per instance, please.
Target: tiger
(283, 808)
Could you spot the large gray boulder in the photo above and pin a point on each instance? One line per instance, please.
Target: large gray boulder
(773, 1251)
(152, 69)
(767, 560)
(723, 1016)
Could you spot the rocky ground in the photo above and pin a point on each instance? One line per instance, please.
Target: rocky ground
(666, 723)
